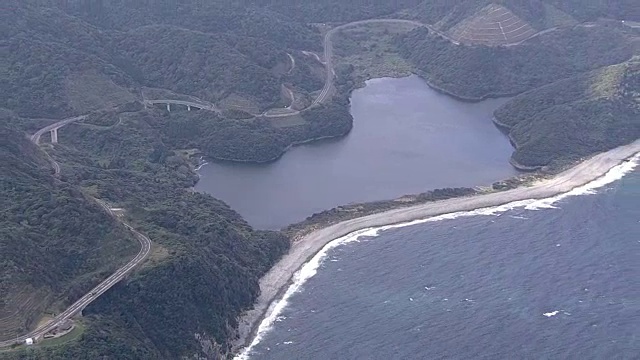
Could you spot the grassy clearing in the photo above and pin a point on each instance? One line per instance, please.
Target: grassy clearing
(237, 102)
(158, 255)
(72, 335)
(90, 91)
(287, 121)
(606, 83)
(370, 49)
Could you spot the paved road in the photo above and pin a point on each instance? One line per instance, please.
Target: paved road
(36, 137)
(145, 249)
(328, 49)
(328, 62)
(202, 106)
(293, 63)
(309, 53)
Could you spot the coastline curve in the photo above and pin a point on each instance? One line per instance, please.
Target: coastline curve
(275, 284)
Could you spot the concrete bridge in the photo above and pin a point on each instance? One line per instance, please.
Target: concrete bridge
(54, 136)
(188, 104)
(53, 129)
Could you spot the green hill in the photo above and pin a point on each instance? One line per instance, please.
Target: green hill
(477, 72)
(563, 122)
(55, 243)
(81, 61)
(577, 88)
(204, 267)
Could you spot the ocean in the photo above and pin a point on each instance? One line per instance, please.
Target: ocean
(548, 279)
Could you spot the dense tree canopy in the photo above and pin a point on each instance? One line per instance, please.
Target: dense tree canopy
(577, 86)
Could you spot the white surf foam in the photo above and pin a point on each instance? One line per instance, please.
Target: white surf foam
(307, 271)
(200, 166)
(310, 268)
(552, 313)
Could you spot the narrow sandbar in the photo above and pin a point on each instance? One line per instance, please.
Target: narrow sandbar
(278, 278)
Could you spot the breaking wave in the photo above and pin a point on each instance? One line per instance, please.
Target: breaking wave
(309, 269)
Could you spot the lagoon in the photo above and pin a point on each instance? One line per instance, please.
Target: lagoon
(407, 138)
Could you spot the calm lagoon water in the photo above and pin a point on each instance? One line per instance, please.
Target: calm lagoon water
(407, 138)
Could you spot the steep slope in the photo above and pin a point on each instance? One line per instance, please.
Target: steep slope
(540, 14)
(335, 10)
(61, 65)
(49, 257)
(492, 25)
(57, 65)
(562, 122)
(196, 64)
(476, 72)
(205, 263)
(590, 10)
(215, 16)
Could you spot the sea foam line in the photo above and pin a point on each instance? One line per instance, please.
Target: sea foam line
(310, 268)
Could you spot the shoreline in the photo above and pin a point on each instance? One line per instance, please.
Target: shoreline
(274, 283)
(359, 86)
(462, 98)
(284, 151)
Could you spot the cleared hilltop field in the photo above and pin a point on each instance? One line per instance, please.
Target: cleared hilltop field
(493, 25)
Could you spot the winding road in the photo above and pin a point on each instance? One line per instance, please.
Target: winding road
(145, 242)
(293, 63)
(329, 66)
(202, 106)
(328, 49)
(80, 304)
(35, 138)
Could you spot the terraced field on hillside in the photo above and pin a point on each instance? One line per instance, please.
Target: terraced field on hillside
(494, 25)
(18, 310)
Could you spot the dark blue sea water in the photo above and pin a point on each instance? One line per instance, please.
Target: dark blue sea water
(558, 283)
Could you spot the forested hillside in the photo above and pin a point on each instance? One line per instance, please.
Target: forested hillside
(577, 87)
(63, 67)
(560, 123)
(206, 260)
(589, 10)
(335, 10)
(200, 64)
(55, 243)
(476, 72)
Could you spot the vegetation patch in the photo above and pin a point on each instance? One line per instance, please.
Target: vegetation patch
(566, 121)
(49, 255)
(20, 310)
(371, 52)
(478, 72)
(236, 102)
(287, 121)
(493, 25)
(89, 91)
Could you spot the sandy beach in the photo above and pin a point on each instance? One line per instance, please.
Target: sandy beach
(276, 281)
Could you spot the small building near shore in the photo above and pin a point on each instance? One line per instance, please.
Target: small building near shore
(29, 341)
